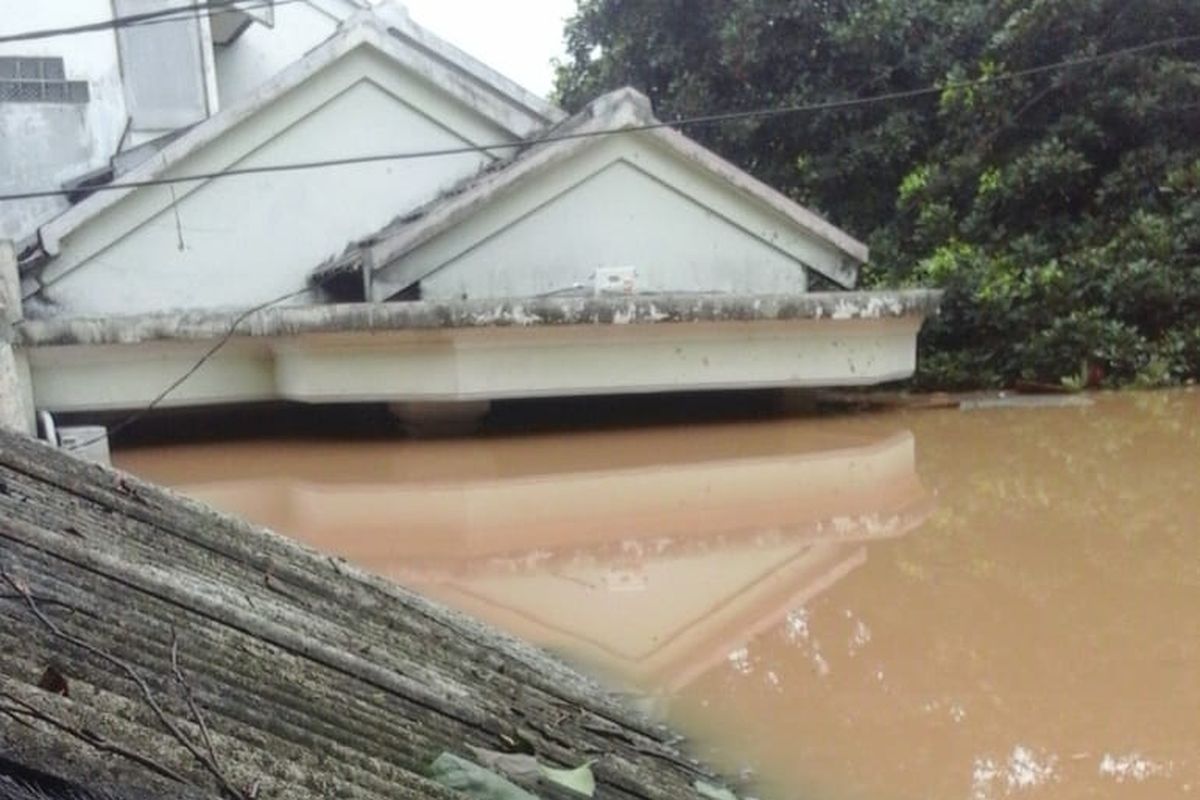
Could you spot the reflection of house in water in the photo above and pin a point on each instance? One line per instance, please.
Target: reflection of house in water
(650, 554)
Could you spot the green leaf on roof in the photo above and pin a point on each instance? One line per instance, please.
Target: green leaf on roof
(579, 780)
(474, 781)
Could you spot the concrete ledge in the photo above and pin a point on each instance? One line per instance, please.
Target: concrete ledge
(455, 365)
(524, 313)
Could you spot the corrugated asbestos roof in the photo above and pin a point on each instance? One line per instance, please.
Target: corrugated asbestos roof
(153, 647)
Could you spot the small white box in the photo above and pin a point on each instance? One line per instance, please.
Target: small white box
(89, 442)
(616, 280)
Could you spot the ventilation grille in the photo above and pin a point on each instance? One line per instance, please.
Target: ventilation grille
(35, 79)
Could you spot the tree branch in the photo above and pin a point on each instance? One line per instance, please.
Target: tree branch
(204, 759)
(24, 711)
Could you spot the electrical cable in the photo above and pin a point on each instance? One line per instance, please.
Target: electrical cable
(130, 20)
(246, 5)
(208, 354)
(729, 116)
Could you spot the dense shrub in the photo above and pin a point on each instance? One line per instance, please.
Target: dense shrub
(1059, 210)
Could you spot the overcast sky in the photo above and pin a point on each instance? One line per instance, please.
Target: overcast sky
(517, 38)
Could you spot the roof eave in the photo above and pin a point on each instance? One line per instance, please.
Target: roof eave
(747, 183)
(423, 39)
(521, 312)
(455, 209)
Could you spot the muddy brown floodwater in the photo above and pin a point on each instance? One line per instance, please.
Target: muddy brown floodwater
(926, 604)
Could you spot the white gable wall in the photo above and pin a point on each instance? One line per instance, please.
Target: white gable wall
(621, 216)
(243, 240)
(625, 201)
(261, 52)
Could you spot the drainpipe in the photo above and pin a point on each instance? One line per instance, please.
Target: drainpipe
(16, 386)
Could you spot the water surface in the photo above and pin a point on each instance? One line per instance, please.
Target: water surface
(925, 604)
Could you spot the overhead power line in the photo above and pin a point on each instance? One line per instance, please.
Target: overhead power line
(685, 122)
(126, 421)
(130, 20)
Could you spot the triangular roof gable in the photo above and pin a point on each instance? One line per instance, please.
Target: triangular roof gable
(391, 251)
(514, 111)
(395, 17)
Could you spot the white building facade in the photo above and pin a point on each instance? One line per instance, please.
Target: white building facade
(245, 158)
(77, 105)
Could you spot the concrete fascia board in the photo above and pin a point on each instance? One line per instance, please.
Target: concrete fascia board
(518, 312)
(621, 109)
(750, 185)
(366, 30)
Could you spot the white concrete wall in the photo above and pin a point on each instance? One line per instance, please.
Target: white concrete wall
(261, 52)
(621, 216)
(239, 241)
(168, 69)
(626, 201)
(44, 144)
(16, 385)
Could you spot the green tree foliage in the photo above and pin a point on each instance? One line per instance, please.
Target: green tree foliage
(1060, 211)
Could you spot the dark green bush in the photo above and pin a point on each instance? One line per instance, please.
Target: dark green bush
(1060, 210)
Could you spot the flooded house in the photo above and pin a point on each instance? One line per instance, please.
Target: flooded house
(322, 217)
(344, 208)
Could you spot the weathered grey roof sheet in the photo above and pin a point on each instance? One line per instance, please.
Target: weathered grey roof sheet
(154, 647)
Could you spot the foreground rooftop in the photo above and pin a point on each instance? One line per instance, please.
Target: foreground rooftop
(153, 647)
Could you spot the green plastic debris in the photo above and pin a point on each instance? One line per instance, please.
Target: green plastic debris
(712, 792)
(525, 768)
(514, 766)
(474, 781)
(579, 779)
